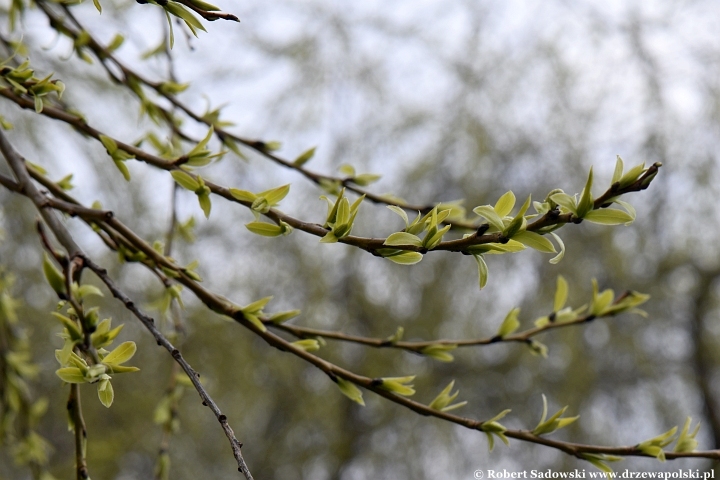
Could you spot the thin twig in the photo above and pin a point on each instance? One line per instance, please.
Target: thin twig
(417, 346)
(75, 412)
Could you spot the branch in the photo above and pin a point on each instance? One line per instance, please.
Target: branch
(28, 189)
(418, 346)
(17, 165)
(372, 245)
(225, 307)
(75, 413)
(194, 377)
(258, 146)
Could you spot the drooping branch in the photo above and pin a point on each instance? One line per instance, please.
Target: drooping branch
(224, 306)
(369, 244)
(27, 188)
(417, 346)
(262, 148)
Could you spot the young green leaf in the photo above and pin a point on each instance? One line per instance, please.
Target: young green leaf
(72, 327)
(505, 204)
(493, 427)
(439, 352)
(347, 170)
(630, 209)
(87, 290)
(243, 195)
(566, 201)
(304, 157)
(109, 144)
(185, 180)
(396, 337)
(403, 238)
(405, 258)
(365, 179)
(445, 398)
(686, 440)
(350, 390)
(586, 199)
(282, 317)
(553, 423)
(255, 321)
(121, 354)
(617, 174)
(609, 216)
(181, 12)
(202, 5)
(307, 344)
(105, 392)
(400, 212)
(257, 306)
(510, 323)
(518, 223)
(266, 229)
(556, 259)
(399, 385)
(600, 301)
(489, 214)
(275, 195)
(53, 276)
(482, 271)
(654, 446)
(204, 201)
(538, 349)
(535, 241)
(599, 459)
(70, 375)
(115, 43)
(434, 237)
(632, 175)
(561, 294)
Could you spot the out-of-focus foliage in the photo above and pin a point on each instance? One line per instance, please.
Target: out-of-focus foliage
(446, 100)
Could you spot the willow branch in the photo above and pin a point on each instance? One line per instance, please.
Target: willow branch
(417, 346)
(260, 147)
(28, 189)
(224, 306)
(372, 245)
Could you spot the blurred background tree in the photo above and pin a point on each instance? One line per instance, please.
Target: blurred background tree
(446, 100)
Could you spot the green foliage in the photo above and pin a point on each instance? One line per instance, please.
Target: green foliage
(84, 358)
(509, 324)
(118, 155)
(20, 412)
(443, 401)
(53, 276)
(686, 440)
(254, 311)
(439, 352)
(262, 202)
(350, 390)
(305, 157)
(195, 184)
(340, 218)
(555, 422)
(494, 427)
(22, 80)
(398, 385)
(654, 447)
